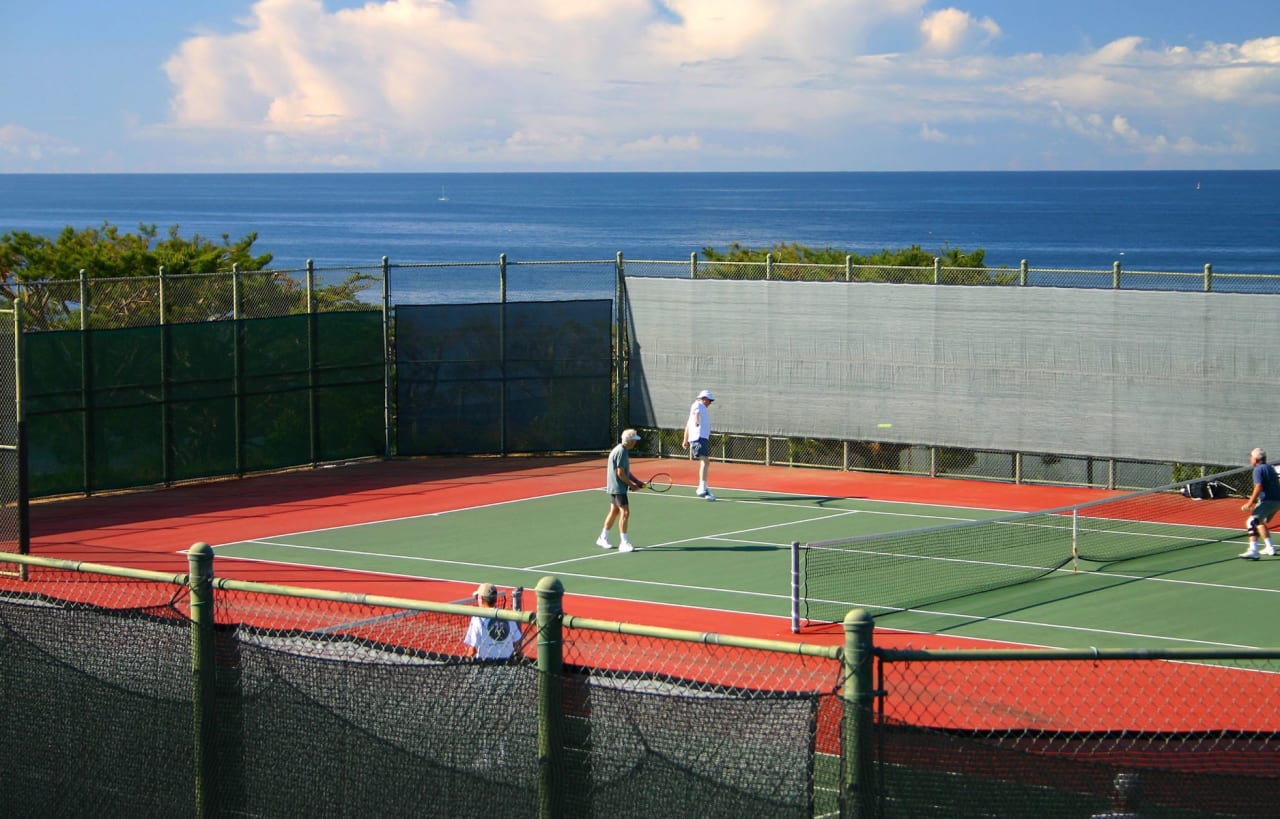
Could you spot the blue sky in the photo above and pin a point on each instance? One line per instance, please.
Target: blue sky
(637, 85)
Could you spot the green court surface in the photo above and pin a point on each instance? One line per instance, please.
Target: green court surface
(734, 555)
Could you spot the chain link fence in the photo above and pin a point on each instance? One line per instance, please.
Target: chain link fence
(1116, 278)
(132, 693)
(92, 303)
(193, 695)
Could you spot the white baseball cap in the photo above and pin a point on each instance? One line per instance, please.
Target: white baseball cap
(707, 395)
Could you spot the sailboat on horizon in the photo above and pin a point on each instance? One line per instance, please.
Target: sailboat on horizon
(442, 197)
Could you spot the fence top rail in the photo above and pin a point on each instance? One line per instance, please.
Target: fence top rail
(249, 586)
(707, 637)
(85, 567)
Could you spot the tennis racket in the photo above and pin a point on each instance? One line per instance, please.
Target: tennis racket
(659, 483)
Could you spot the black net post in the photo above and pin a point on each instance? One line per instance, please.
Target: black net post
(857, 791)
(550, 696)
(203, 676)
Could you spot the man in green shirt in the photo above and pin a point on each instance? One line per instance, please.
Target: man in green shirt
(618, 480)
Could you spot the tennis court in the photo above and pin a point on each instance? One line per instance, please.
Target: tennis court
(436, 529)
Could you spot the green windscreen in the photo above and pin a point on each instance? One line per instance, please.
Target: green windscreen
(497, 378)
(111, 409)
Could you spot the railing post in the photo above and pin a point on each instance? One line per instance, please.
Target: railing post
(502, 354)
(313, 347)
(768, 266)
(857, 787)
(1208, 278)
(621, 410)
(311, 286)
(204, 676)
(387, 431)
(848, 267)
(693, 265)
(551, 763)
(1022, 273)
(937, 270)
(84, 300)
(1115, 274)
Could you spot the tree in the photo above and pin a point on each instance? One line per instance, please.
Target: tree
(124, 269)
(910, 264)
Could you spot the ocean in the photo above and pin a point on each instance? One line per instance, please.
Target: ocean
(1174, 221)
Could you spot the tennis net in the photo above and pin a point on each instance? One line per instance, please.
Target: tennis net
(897, 571)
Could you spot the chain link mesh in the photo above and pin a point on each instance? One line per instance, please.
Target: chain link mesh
(1078, 737)
(336, 703)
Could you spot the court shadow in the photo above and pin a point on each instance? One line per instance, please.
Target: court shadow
(818, 500)
(744, 547)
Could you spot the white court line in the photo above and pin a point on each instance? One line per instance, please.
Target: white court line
(354, 553)
(407, 517)
(713, 536)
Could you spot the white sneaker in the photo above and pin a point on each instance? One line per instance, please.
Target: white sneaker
(702, 492)
(1249, 554)
(1267, 551)
(603, 543)
(708, 496)
(625, 546)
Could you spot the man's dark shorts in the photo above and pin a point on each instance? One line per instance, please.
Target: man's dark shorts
(619, 501)
(700, 448)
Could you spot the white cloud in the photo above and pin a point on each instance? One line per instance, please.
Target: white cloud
(931, 134)
(20, 147)
(951, 30)
(419, 84)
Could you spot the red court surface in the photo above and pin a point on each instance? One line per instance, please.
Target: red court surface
(150, 529)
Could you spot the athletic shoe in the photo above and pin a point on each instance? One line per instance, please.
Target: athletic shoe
(702, 493)
(708, 496)
(1268, 551)
(603, 543)
(1249, 554)
(625, 546)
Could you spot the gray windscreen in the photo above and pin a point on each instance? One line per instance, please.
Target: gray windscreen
(1169, 376)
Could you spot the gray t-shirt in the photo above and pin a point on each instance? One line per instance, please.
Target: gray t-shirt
(618, 457)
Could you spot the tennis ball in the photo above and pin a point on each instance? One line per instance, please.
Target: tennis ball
(885, 426)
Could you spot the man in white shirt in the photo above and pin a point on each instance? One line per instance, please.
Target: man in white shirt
(488, 637)
(697, 439)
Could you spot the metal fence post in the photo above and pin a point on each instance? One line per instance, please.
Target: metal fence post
(857, 790)
(387, 355)
(1022, 273)
(768, 266)
(621, 410)
(204, 677)
(166, 411)
(550, 593)
(86, 387)
(1208, 278)
(502, 354)
(937, 270)
(1115, 275)
(693, 265)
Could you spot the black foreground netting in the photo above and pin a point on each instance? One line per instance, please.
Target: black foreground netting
(658, 749)
(505, 377)
(925, 773)
(97, 711)
(319, 726)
